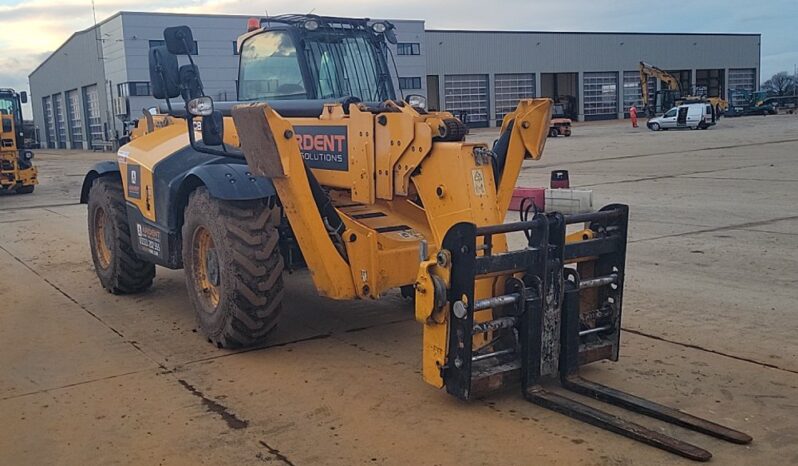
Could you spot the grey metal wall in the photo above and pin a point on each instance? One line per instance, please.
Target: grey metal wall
(493, 52)
(74, 65)
(410, 66)
(547, 52)
(214, 34)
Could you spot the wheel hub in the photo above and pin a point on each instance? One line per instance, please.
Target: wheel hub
(212, 266)
(103, 237)
(206, 271)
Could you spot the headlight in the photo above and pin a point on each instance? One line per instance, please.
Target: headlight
(311, 25)
(418, 101)
(379, 28)
(201, 106)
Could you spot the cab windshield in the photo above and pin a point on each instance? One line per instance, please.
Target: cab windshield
(9, 106)
(338, 64)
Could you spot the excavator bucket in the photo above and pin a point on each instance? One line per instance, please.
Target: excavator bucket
(560, 309)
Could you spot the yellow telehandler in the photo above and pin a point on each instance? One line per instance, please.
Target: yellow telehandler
(319, 165)
(17, 173)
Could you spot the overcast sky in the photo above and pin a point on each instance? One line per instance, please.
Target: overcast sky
(34, 28)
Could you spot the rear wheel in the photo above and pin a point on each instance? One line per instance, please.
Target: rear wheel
(553, 132)
(118, 267)
(233, 268)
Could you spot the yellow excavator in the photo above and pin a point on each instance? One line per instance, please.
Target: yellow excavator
(672, 95)
(17, 173)
(319, 164)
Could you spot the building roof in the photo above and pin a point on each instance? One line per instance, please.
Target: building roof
(497, 31)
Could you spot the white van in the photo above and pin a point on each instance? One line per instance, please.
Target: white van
(699, 115)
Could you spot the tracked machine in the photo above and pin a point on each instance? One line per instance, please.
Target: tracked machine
(17, 173)
(319, 165)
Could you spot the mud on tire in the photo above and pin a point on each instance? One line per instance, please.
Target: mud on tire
(233, 268)
(118, 267)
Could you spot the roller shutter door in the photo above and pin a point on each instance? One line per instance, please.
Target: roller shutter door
(467, 97)
(509, 89)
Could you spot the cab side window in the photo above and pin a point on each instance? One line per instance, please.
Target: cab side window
(671, 113)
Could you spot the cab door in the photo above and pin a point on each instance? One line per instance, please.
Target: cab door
(669, 119)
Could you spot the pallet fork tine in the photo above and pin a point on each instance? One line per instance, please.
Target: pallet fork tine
(612, 423)
(649, 408)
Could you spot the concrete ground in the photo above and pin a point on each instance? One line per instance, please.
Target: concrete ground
(710, 319)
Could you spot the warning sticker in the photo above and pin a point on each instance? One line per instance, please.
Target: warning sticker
(479, 182)
(149, 239)
(134, 181)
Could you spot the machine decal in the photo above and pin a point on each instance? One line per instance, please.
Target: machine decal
(121, 156)
(324, 147)
(479, 181)
(149, 239)
(134, 181)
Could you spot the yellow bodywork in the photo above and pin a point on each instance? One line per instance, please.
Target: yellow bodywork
(398, 175)
(401, 193)
(12, 176)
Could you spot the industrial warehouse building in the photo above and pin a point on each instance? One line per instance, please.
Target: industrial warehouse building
(98, 79)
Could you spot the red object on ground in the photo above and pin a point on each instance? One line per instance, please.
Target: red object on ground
(538, 196)
(559, 179)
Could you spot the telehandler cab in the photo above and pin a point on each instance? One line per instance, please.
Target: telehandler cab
(17, 173)
(319, 165)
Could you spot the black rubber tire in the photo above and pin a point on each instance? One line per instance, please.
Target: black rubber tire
(250, 287)
(25, 189)
(654, 127)
(554, 132)
(126, 273)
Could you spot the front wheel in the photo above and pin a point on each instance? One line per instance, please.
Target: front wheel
(233, 268)
(118, 267)
(654, 127)
(553, 132)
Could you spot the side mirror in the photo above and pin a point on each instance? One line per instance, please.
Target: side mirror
(390, 36)
(213, 129)
(179, 40)
(190, 82)
(23, 97)
(417, 101)
(201, 106)
(164, 76)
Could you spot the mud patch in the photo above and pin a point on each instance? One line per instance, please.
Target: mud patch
(212, 406)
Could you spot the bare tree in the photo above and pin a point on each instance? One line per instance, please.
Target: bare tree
(780, 84)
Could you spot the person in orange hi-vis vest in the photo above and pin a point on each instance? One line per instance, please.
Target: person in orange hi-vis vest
(633, 115)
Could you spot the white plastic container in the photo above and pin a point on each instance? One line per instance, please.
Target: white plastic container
(569, 201)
